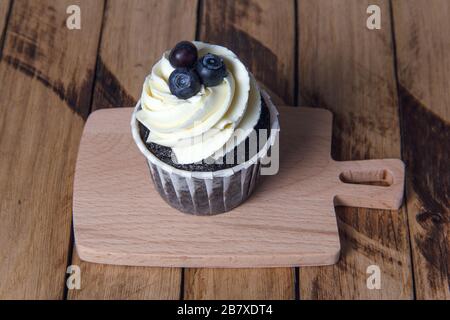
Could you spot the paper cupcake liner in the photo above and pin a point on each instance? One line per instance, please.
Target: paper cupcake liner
(207, 193)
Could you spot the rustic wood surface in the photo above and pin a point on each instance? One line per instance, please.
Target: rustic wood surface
(5, 5)
(423, 65)
(388, 90)
(354, 77)
(46, 78)
(146, 29)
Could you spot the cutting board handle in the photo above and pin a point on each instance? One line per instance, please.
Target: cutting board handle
(371, 183)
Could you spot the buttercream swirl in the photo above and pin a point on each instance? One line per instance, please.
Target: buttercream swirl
(209, 124)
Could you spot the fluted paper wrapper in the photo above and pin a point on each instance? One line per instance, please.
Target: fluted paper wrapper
(207, 193)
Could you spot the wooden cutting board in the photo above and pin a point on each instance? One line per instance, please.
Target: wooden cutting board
(119, 218)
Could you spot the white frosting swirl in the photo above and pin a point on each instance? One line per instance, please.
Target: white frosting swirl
(209, 124)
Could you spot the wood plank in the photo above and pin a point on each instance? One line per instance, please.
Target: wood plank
(261, 33)
(46, 78)
(349, 70)
(135, 34)
(423, 66)
(4, 11)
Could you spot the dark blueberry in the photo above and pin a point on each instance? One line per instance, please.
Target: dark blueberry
(184, 83)
(183, 55)
(211, 70)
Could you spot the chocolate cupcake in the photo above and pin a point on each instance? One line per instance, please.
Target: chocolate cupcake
(204, 126)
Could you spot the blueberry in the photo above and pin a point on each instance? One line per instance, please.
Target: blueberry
(211, 70)
(183, 55)
(184, 83)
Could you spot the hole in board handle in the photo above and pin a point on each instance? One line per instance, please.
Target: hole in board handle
(381, 178)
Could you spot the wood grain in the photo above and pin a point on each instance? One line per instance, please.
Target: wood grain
(46, 79)
(261, 33)
(135, 34)
(288, 221)
(108, 282)
(285, 222)
(261, 284)
(349, 70)
(4, 11)
(423, 66)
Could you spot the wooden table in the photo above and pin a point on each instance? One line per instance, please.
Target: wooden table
(388, 89)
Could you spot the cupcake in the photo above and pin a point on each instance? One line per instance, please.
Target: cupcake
(204, 127)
